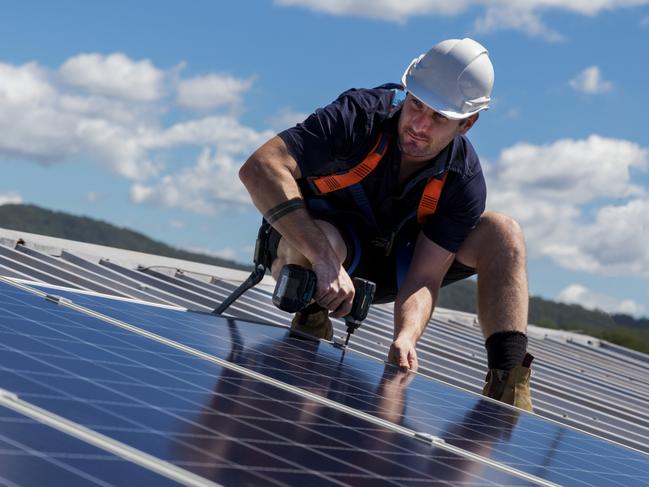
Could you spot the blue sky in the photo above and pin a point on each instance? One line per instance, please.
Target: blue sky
(140, 114)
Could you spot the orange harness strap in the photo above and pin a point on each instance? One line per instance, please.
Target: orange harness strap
(327, 184)
(430, 197)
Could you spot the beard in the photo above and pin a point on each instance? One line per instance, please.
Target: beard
(414, 145)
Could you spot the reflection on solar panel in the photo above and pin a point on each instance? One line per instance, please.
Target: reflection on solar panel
(237, 402)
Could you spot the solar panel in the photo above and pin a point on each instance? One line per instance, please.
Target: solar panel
(448, 352)
(627, 426)
(588, 390)
(476, 425)
(215, 421)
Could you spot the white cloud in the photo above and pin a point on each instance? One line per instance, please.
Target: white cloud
(578, 294)
(10, 197)
(109, 109)
(26, 83)
(644, 21)
(286, 118)
(390, 10)
(178, 224)
(590, 82)
(212, 91)
(515, 17)
(574, 171)
(114, 75)
(39, 121)
(205, 188)
(227, 253)
(523, 15)
(577, 202)
(227, 132)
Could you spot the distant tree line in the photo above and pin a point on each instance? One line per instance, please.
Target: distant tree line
(33, 219)
(621, 329)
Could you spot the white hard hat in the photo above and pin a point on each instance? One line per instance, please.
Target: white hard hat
(454, 78)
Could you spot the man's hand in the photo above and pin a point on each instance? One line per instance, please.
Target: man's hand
(335, 290)
(402, 353)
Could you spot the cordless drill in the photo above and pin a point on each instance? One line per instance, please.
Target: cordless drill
(296, 287)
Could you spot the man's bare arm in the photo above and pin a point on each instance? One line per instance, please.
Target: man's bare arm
(416, 299)
(270, 176)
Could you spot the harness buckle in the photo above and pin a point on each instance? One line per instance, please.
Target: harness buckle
(384, 243)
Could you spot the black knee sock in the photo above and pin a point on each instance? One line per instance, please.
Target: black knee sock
(506, 349)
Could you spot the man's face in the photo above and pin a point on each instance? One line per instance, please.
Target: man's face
(423, 132)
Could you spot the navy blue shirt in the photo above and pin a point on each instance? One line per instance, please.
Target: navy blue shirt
(339, 136)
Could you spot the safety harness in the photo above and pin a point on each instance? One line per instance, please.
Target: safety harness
(352, 178)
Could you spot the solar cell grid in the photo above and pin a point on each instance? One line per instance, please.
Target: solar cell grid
(525, 442)
(455, 353)
(173, 405)
(630, 431)
(35, 454)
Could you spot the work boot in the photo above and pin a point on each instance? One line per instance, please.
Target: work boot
(511, 386)
(313, 320)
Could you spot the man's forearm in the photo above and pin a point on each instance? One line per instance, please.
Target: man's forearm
(412, 310)
(269, 180)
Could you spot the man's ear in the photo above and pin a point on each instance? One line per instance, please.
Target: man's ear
(467, 123)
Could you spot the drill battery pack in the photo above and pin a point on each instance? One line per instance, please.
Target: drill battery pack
(295, 288)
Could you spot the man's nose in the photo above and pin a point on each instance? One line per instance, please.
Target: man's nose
(421, 122)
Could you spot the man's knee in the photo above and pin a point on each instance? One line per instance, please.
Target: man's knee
(287, 254)
(335, 238)
(504, 231)
(495, 235)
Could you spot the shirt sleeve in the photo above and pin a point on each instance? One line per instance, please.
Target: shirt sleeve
(458, 212)
(332, 134)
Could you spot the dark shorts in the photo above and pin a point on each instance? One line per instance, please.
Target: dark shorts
(367, 260)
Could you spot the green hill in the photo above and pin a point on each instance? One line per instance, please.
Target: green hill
(620, 329)
(33, 219)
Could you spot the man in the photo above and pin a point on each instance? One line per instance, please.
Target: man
(385, 185)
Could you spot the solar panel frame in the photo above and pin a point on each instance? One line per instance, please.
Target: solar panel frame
(35, 274)
(149, 293)
(43, 264)
(111, 286)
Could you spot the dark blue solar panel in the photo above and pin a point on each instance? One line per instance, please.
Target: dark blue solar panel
(35, 454)
(523, 441)
(200, 416)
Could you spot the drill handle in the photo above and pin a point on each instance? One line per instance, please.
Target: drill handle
(363, 296)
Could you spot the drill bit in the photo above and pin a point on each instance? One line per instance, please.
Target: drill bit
(349, 333)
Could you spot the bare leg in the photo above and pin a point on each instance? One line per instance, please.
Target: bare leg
(496, 249)
(288, 255)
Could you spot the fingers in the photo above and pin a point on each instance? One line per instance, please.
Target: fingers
(335, 292)
(404, 355)
(413, 363)
(344, 306)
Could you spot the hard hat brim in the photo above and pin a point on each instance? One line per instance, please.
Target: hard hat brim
(436, 103)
